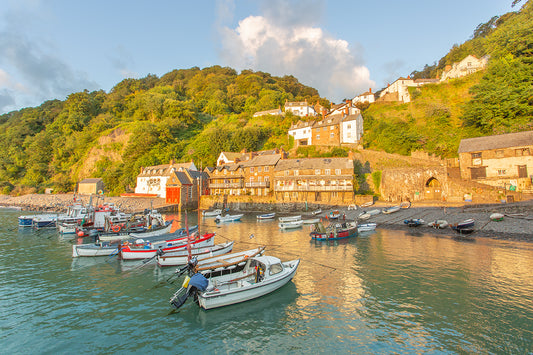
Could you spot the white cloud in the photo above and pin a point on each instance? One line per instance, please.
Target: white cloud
(281, 45)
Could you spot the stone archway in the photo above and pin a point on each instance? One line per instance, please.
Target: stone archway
(433, 189)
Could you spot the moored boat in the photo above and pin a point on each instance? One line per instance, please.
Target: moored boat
(181, 257)
(260, 276)
(136, 251)
(390, 210)
(414, 222)
(228, 218)
(496, 217)
(141, 232)
(289, 218)
(212, 213)
(316, 212)
(366, 227)
(438, 224)
(267, 216)
(334, 231)
(311, 220)
(466, 224)
(334, 214)
(290, 224)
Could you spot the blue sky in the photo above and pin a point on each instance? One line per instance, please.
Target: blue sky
(49, 49)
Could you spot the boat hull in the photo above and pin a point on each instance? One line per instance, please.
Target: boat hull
(182, 257)
(366, 227)
(247, 290)
(128, 253)
(290, 225)
(341, 234)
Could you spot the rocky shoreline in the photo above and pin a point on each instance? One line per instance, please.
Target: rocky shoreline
(517, 224)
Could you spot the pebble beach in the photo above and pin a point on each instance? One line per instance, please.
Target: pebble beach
(516, 225)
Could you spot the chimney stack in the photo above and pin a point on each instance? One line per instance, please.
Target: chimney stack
(370, 90)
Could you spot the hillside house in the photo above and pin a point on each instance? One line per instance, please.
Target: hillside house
(327, 180)
(399, 90)
(152, 180)
(365, 97)
(274, 112)
(327, 131)
(301, 131)
(351, 129)
(503, 160)
(301, 108)
(91, 186)
(465, 67)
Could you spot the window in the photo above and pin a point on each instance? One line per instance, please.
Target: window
(332, 134)
(296, 172)
(318, 136)
(502, 172)
(251, 170)
(317, 171)
(318, 129)
(259, 178)
(349, 126)
(521, 151)
(499, 153)
(287, 172)
(332, 128)
(225, 171)
(259, 169)
(337, 171)
(327, 172)
(476, 155)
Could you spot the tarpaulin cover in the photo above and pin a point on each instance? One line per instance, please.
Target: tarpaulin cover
(199, 281)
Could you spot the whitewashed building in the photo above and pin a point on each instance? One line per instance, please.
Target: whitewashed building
(301, 108)
(302, 132)
(365, 97)
(352, 129)
(467, 66)
(152, 180)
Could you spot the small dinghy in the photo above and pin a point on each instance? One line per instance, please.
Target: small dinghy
(366, 227)
(181, 257)
(135, 251)
(290, 218)
(390, 210)
(438, 224)
(212, 213)
(311, 220)
(290, 224)
(496, 217)
(316, 212)
(334, 214)
(267, 216)
(228, 218)
(414, 222)
(466, 224)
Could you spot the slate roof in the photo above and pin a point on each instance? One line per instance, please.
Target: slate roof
(329, 121)
(90, 180)
(519, 139)
(314, 163)
(263, 160)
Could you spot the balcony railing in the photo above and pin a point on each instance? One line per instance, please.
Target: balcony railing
(221, 185)
(314, 188)
(258, 184)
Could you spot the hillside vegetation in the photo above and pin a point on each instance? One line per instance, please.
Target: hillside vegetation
(190, 114)
(495, 101)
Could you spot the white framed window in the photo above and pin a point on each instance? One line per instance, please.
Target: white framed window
(502, 172)
(317, 171)
(296, 172)
(337, 171)
(327, 172)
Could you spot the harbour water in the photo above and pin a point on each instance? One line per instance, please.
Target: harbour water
(385, 292)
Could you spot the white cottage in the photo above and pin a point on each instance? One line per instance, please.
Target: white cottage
(352, 129)
(300, 108)
(365, 97)
(302, 132)
(465, 67)
(152, 180)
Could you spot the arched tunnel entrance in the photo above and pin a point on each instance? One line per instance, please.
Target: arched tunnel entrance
(433, 189)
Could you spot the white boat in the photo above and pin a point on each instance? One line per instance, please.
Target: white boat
(289, 218)
(290, 224)
(311, 221)
(136, 251)
(181, 257)
(267, 216)
(316, 212)
(212, 213)
(260, 276)
(364, 216)
(438, 224)
(496, 217)
(146, 233)
(366, 227)
(352, 207)
(95, 249)
(392, 209)
(374, 212)
(217, 264)
(367, 204)
(228, 218)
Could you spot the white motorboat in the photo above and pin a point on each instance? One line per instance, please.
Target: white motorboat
(212, 213)
(366, 227)
(290, 218)
(139, 233)
(311, 221)
(290, 224)
(228, 218)
(149, 250)
(181, 257)
(496, 217)
(260, 276)
(316, 212)
(438, 224)
(218, 264)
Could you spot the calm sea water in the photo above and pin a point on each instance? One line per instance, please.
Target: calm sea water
(386, 292)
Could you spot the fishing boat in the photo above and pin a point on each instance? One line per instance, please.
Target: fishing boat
(414, 222)
(352, 207)
(105, 248)
(438, 224)
(496, 217)
(220, 265)
(44, 221)
(405, 204)
(290, 224)
(390, 210)
(367, 204)
(311, 220)
(148, 250)
(141, 232)
(364, 216)
(289, 218)
(181, 257)
(212, 213)
(267, 216)
(334, 214)
(26, 221)
(366, 227)
(228, 218)
(334, 231)
(260, 276)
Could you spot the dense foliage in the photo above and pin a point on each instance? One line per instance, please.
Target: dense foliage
(186, 114)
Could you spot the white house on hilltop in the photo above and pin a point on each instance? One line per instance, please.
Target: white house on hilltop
(365, 97)
(465, 67)
(300, 108)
